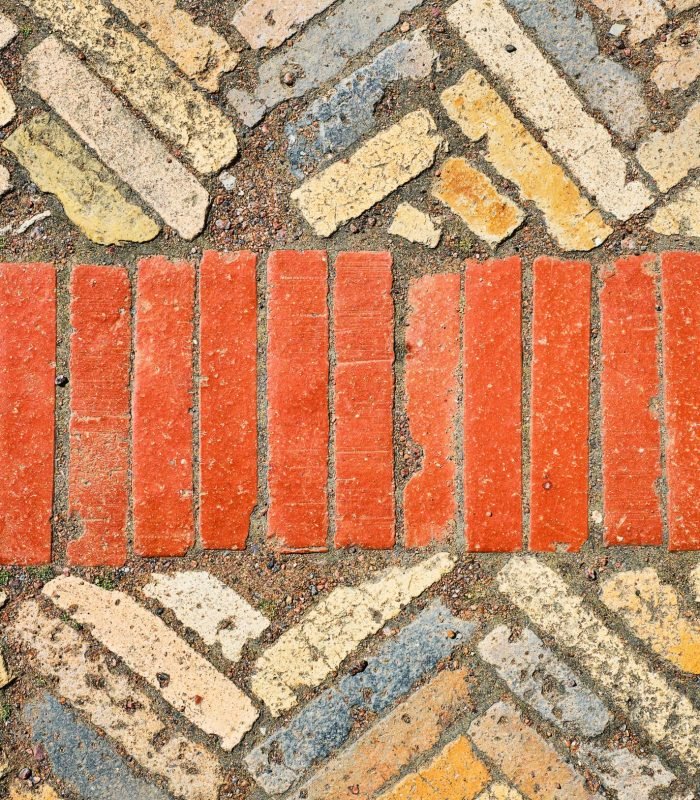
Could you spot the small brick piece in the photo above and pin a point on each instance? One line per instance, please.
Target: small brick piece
(492, 406)
(559, 426)
(99, 423)
(364, 392)
(228, 398)
(630, 382)
(162, 428)
(297, 380)
(681, 343)
(27, 402)
(432, 361)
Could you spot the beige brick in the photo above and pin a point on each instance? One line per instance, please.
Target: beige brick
(669, 157)
(118, 138)
(41, 792)
(148, 647)
(679, 59)
(8, 31)
(471, 195)
(5, 186)
(680, 216)
(5, 674)
(348, 188)
(268, 23)
(59, 164)
(518, 156)
(147, 80)
(499, 791)
(642, 17)
(414, 225)
(7, 106)
(682, 5)
(539, 93)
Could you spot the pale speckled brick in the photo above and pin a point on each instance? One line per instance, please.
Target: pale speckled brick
(628, 775)
(268, 23)
(669, 157)
(679, 58)
(415, 225)
(679, 216)
(7, 106)
(642, 17)
(5, 186)
(8, 31)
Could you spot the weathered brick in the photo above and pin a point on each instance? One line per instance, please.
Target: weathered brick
(363, 323)
(679, 59)
(8, 31)
(681, 340)
(268, 23)
(471, 195)
(629, 386)
(415, 225)
(559, 405)
(432, 363)
(669, 157)
(19, 791)
(492, 406)
(5, 184)
(680, 216)
(27, 402)
(99, 422)
(630, 776)
(499, 791)
(297, 397)
(348, 188)
(644, 17)
(162, 421)
(7, 106)
(228, 464)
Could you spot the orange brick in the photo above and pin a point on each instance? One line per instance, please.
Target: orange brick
(432, 361)
(364, 391)
(228, 398)
(629, 384)
(162, 427)
(99, 422)
(27, 402)
(559, 411)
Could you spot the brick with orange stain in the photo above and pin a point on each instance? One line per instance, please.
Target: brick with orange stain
(99, 422)
(162, 426)
(297, 397)
(27, 402)
(559, 405)
(432, 361)
(492, 406)
(364, 391)
(629, 389)
(228, 398)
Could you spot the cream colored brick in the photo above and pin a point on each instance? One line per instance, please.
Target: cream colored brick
(518, 156)
(682, 5)
(541, 94)
(118, 138)
(680, 216)
(5, 674)
(8, 31)
(306, 654)
(61, 165)
(642, 17)
(7, 106)
(268, 23)
(471, 195)
(679, 59)
(148, 647)
(667, 716)
(113, 704)
(174, 108)
(499, 791)
(348, 188)
(669, 157)
(5, 187)
(415, 226)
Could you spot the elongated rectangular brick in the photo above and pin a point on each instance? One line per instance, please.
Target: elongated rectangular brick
(412, 728)
(27, 402)
(8, 31)
(228, 419)
(524, 757)
(152, 650)
(519, 157)
(363, 322)
(644, 17)
(679, 59)
(326, 722)
(649, 700)
(112, 703)
(297, 399)
(162, 401)
(348, 188)
(541, 94)
(145, 77)
(680, 216)
(629, 387)
(306, 654)
(7, 106)
(669, 157)
(268, 23)
(492, 406)
(99, 422)
(681, 350)
(119, 139)
(559, 415)
(432, 363)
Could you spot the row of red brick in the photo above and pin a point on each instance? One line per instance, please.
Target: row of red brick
(136, 434)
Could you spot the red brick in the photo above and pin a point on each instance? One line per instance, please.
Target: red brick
(99, 422)
(559, 406)
(297, 387)
(432, 361)
(363, 313)
(162, 428)
(629, 384)
(27, 402)
(681, 351)
(493, 406)
(228, 398)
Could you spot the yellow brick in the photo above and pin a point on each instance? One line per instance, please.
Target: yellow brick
(42, 792)
(456, 774)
